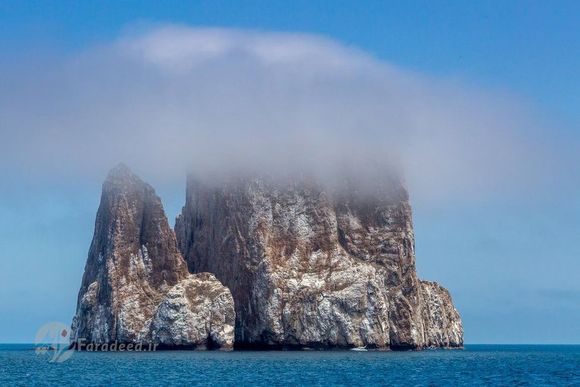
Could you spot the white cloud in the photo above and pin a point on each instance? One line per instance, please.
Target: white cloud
(210, 100)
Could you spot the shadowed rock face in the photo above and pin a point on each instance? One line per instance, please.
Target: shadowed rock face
(313, 268)
(136, 286)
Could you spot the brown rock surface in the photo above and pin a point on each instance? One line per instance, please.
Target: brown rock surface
(313, 267)
(136, 287)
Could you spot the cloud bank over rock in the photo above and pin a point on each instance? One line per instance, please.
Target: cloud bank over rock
(174, 99)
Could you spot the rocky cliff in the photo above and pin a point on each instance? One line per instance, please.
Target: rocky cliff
(315, 267)
(136, 286)
(305, 265)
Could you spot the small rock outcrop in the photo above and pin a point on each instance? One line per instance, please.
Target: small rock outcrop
(443, 327)
(313, 267)
(199, 310)
(136, 287)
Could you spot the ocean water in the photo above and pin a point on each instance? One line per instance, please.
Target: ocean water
(519, 365)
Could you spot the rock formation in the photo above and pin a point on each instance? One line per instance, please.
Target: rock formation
(314, 267)
(305, 265)
(136, 287)
(441, 320)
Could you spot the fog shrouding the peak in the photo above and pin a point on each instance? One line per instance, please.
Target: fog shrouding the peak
(173, 99)
(493, 176)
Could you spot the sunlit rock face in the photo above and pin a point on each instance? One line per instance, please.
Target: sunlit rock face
(310, 266)
(136, 287)
(443, 327)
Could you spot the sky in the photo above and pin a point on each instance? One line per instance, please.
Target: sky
(477, 101)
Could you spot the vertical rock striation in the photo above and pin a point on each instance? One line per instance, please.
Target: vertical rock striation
(312, 267)
(136, 286)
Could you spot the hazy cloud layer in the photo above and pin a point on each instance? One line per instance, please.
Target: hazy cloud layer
(174, 99)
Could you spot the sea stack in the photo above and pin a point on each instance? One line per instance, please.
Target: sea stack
(313, 267)
(136, 287)
(260, 263)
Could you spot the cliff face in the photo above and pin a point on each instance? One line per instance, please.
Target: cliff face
(136, 286)
(313, 268)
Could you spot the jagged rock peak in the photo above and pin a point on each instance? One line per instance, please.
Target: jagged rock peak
(120, 171)
(133, 266)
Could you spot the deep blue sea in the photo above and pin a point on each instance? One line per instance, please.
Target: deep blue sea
(519, 365)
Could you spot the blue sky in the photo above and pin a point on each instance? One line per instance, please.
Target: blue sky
(511, 261)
